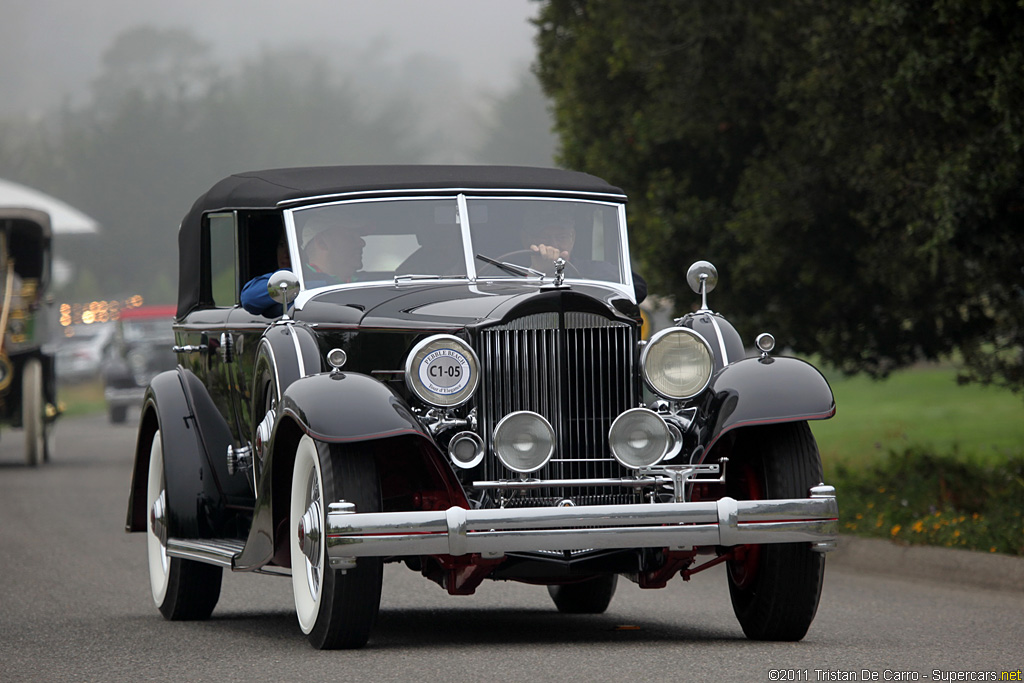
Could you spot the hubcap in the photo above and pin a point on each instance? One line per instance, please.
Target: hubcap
(158, 518)
(311, 533)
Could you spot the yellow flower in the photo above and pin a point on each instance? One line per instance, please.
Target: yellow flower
(956, 534)
(918, 526)
(895, 530)
(871, 505)
(881, 489)
(992, 549)
(859, 516)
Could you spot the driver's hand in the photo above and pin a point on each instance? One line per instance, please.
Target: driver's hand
(544, 257)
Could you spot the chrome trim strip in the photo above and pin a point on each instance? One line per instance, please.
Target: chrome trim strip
(457, 531)
(721, 340)
(220, 552)
(446, 191)
(298, 352)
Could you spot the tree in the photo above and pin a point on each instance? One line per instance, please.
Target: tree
(856, 168)
(162, 128)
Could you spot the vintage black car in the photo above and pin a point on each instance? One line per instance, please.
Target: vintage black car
(437, 390)
(140, 350)
(28, 388)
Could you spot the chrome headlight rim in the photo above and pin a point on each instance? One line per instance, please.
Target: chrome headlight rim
(652, 344)
(541, 420)
(646, 412)
(422, 359)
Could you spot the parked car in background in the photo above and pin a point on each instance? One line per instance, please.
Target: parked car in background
(440, 388)
(80, 353)
(27, 385)
(140, 349)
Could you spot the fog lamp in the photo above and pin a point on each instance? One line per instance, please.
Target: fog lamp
(639, 438)
(466, 450)
(524, 441)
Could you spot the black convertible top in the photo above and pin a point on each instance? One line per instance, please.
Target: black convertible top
(286, 187)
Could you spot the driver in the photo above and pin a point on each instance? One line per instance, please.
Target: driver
(550, 233)
(549, 240)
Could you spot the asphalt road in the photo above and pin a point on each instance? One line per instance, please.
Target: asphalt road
(75, 606)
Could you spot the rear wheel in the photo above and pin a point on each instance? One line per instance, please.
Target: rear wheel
(775, 587)
(336, 608)
(591, 596)
(33, 413)
(182, 589)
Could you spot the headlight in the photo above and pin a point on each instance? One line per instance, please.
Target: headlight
(524, 441)
(443, 371)
(677, 363)
(639, 438)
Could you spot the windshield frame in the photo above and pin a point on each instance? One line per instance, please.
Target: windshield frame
(462, 203)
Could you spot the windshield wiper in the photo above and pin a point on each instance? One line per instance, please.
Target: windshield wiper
(406, 277)
(511, 268)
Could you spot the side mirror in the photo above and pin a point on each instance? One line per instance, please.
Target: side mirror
(702, 278)
(283, 287)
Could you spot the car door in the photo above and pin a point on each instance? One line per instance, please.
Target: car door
(204, 343)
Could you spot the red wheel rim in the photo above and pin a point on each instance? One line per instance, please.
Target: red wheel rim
(746, 558)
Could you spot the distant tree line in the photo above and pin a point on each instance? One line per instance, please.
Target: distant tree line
(165, 122)
(855, 169)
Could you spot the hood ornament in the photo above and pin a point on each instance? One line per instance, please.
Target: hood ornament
(559, 271)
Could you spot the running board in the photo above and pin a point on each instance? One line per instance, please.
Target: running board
(219, 551)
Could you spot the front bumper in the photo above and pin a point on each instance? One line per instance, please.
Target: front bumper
(491, 533)
(126, 396)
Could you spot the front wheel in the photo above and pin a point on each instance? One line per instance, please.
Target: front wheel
(775, 587)
(591, 596)
(182, 589)
(118, 414)
(336, 608)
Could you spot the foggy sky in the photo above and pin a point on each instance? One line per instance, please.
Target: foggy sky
(50, 49)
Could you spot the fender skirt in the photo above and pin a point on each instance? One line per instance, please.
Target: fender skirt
(768, 390)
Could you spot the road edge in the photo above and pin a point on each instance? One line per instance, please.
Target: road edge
(948, 565)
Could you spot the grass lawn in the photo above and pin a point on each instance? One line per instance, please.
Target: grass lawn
(81, 398)
(923, 407)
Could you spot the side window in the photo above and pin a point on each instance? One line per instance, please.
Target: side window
(223, 277)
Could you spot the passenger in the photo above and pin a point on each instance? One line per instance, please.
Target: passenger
(255, 298)
(333, 249)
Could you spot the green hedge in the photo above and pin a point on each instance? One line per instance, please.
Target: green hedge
(918, 497)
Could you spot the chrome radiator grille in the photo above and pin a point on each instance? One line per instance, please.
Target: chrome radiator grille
(579, 371)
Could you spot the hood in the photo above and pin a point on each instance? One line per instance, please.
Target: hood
(453, 306)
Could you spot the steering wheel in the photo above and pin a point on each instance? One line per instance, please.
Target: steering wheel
(527, 252)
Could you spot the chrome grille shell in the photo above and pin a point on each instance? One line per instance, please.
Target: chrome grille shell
(578, 370)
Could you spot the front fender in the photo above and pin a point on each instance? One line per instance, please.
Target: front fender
(769, 390)
(345, 407)
(348, 406)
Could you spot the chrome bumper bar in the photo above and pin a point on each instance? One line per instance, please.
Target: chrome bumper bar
(492, 533)
(124, 395)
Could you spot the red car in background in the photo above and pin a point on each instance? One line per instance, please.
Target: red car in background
(140, 350)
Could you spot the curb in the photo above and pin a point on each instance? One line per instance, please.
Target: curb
(948, 565)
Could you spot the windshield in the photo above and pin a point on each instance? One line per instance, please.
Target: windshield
(398, 240)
